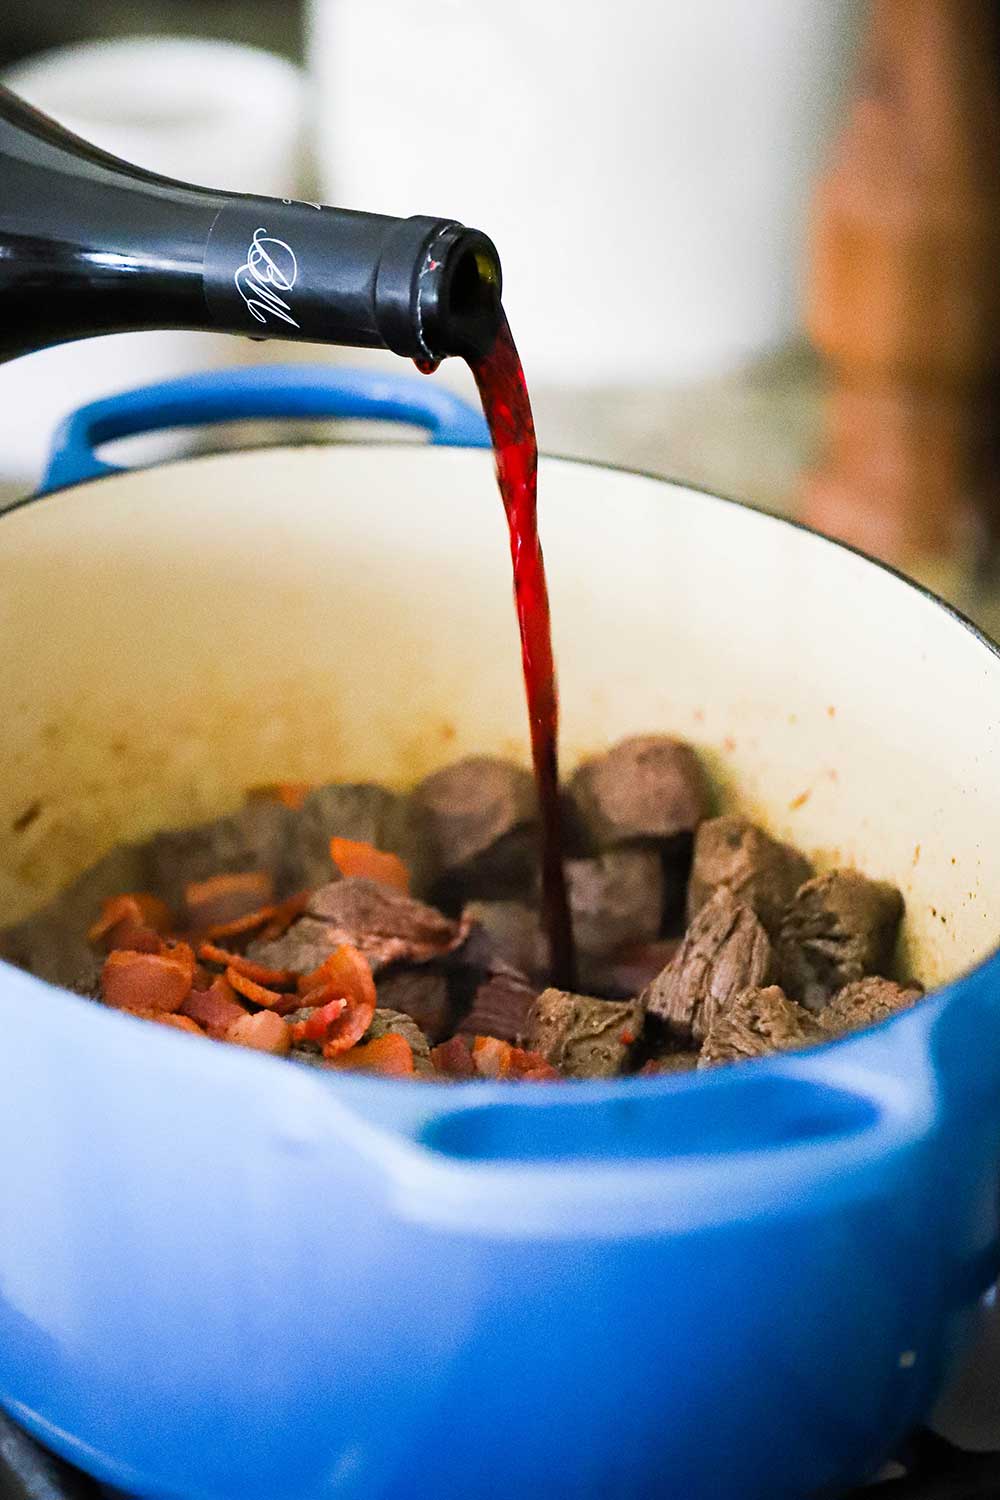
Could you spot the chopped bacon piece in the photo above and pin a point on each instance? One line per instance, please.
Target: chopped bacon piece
(153, 981)
(326, 1013)
(134, 936)
(272, 978)
(353, 857)
(136, 909)
(454, 1058)
(164, 1018)
(264, 1032)
(347, 974)
(258, 993)
(496, 1059)
(215, 1008)
(391, 1055)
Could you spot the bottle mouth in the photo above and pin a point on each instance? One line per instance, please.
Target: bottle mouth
(458, 294)
(437, 290)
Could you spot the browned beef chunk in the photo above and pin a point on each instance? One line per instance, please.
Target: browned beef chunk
(515, 934)
(647, 787)
(500, 1005)
(840, 927)
(615, 899)
(386, 926)
(725, 950)
(581, 1036)
(734, 852)
(757, 1022)
(259, 836)
(385, 1021)
(420, 993)
(478, 816)
(866, 1002)
(364, 812)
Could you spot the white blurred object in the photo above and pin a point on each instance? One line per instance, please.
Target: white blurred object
(213, 113)
(644, 168)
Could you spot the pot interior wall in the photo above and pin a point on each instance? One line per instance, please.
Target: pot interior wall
(173, 636)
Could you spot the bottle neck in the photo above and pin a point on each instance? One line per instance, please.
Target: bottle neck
(89, 244)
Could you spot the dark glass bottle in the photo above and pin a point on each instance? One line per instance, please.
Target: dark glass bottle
(92, 245)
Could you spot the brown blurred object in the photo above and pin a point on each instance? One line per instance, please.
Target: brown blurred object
(904, 292)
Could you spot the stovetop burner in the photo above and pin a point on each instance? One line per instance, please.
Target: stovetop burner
(930, 1468)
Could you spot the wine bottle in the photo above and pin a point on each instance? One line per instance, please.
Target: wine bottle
(91, 245)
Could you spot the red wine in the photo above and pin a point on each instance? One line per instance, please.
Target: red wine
(90, 245)
(507, 409)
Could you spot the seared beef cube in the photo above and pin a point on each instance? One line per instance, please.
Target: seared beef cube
(384, 924)
(515, 934)
(840, 927)
(500, 1005)
(648, 787)
(479, 818)
(615, 899)
(421, 994)
(866, 1002)
(759, 871)
(759, 1021)
(581, 1036)
(724, 951)
(385, 1021)
(258, 837)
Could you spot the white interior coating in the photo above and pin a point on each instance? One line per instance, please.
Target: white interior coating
(170, 637)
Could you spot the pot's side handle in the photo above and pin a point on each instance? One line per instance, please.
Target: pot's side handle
(268, 391)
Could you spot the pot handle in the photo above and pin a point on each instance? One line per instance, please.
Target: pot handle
(296, 391)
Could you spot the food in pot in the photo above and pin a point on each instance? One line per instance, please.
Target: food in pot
(348, 927)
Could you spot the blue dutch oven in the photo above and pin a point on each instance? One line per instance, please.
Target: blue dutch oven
(224, 1277)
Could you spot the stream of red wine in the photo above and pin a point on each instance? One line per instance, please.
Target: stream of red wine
(507, 409)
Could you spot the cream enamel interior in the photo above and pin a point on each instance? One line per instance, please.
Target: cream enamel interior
(174, 635)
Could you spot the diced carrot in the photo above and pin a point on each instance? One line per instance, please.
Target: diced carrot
(258, 993)
(222, 898)
(454, 1058)
(284, 915)
(164, 1018)
(264, 1032)
(390, 1055)
(289, 793)
(324, 1019)
(153, 981)
(273, 978)
(138, 908)
(215, 1008)
(353, 857)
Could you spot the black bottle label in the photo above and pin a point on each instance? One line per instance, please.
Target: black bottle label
(262, 267)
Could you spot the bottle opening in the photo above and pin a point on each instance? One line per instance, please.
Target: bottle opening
(461, 312)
